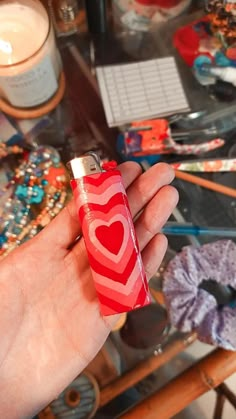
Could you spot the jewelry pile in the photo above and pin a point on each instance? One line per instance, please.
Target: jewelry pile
(36, 193)
(222, 15)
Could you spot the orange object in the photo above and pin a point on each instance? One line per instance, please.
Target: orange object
(154, 134)
(203, 376)
(158, 127)
(146, 367)
(72, 397)
(213, 186)
(158, 296)
(56, 176)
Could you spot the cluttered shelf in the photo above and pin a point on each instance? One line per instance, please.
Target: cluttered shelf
(196, 135)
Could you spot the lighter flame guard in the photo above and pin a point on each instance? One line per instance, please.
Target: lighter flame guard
(109, 235)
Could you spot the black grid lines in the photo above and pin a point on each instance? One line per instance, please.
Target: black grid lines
(141, 90)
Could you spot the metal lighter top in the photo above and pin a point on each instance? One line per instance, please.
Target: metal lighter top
(84, 166)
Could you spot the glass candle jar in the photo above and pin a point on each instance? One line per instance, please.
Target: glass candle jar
(139, 15)
(30, 64)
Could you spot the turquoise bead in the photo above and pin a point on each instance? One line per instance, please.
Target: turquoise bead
(37, 196)
(3, 239)
(21, 192)
(17, 230)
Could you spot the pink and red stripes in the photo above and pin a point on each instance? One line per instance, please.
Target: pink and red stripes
(111, 243)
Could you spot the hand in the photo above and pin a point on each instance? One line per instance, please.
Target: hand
(50, 323)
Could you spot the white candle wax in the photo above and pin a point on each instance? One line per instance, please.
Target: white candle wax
(29, 60)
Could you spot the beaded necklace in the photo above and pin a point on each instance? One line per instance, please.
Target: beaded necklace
(35, 194)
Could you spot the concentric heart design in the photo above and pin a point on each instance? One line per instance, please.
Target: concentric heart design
(111, 244)
(111, 236)
(114, 242)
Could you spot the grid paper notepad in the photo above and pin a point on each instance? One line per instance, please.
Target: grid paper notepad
(142, 90)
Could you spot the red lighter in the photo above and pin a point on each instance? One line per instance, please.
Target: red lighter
(109, 235)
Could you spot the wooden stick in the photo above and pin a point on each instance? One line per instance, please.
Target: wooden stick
(219, 407)
(203, 376)
(213, 186)
(229, 395)
(145, 368)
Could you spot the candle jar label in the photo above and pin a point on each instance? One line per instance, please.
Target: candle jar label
(32, 87)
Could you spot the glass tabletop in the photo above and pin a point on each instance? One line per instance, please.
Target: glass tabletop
(199, 206)
(78, 125)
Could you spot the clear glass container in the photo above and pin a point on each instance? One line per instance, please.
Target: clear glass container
(30, 63)
(68, 16)
(141, 15)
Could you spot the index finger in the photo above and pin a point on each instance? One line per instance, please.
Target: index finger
(147, 185)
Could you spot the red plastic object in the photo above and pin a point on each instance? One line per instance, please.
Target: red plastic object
(111, 243)
(187, 42)
(167, 4)
(231, 53)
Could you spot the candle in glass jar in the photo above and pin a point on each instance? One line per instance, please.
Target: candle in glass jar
(29, 59)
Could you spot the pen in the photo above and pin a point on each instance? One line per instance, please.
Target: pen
(208, 184)
(206, 165)
(173, 228)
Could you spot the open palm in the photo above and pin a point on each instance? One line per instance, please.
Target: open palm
(50, 322)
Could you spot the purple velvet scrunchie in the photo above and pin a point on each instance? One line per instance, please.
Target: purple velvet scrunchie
(192, 308)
